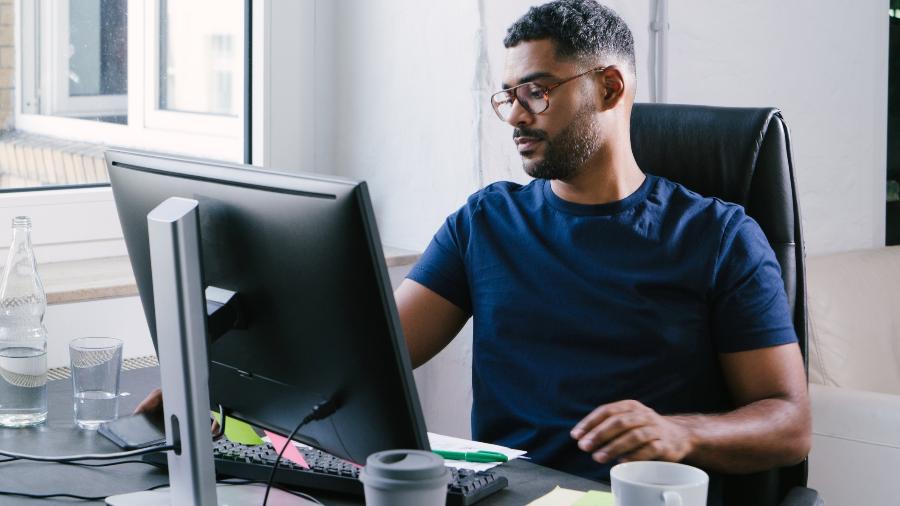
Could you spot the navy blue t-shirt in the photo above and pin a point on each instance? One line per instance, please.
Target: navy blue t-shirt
(577, 305)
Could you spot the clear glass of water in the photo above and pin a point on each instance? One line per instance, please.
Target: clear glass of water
(96, 365)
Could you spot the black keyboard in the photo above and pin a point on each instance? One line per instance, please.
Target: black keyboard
(329, 473)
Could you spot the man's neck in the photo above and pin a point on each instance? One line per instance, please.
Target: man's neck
(602, 180)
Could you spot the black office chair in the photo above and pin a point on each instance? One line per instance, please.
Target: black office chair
(743, 156)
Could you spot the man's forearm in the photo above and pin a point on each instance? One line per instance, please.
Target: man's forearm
(761, 435)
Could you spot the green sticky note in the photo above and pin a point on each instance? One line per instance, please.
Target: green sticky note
(595, 498)
(239, 432)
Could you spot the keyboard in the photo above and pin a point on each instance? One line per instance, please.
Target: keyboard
(329, 473)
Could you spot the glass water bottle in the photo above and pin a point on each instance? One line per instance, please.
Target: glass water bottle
(23, 338)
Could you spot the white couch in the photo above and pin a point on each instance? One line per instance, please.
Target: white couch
(854, 373)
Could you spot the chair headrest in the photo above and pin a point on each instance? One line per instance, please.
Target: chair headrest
(711, 150)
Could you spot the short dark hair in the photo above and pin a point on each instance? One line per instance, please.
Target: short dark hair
(580, 28)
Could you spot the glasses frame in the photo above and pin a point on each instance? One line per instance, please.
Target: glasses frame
(546, 89)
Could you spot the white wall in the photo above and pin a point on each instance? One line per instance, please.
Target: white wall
(412, 81)
(825, 65)
(404, 115)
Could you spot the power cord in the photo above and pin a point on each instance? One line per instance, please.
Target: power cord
(227, 481)
(247, 481)
(318, 412)
(88, 456)
(107, 464)
(70, 496)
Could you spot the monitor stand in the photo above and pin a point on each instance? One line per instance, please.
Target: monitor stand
(174, 232)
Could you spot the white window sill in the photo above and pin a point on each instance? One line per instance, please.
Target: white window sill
(106, 278)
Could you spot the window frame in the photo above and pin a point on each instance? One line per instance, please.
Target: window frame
(81, 222)
(147, 128)
(169, 120)
(54, 25)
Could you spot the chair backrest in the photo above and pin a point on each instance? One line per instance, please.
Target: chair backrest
(739, 155)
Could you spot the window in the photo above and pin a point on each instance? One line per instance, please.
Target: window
(83, 61)
(163, 75)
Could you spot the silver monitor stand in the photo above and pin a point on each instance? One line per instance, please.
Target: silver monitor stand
(173, 228)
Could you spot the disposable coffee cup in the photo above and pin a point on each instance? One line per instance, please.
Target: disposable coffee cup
(651, 483)
(405, 478)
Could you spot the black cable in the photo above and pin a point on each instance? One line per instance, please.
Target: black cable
(248, 481)
(71, 496)
(89, 456)
(228, 481)
(82, 464)
(47, 496)
(319, 411)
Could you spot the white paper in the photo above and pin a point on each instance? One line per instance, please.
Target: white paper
(455, 444)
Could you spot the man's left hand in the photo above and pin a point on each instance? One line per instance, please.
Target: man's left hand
(630, 430)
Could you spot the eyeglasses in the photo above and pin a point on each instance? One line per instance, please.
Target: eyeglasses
(533, 97)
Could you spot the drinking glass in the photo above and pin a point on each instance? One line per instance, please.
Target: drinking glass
(96, 363)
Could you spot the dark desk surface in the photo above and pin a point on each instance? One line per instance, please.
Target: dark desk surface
(60, 436)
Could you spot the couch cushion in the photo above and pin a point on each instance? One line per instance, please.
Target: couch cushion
(854, 314)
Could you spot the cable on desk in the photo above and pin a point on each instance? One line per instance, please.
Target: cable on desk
(70, 496)
(88, 456)
(319, 411)
(247, 481)
(48, 496)
(227, 481)
(106, 464)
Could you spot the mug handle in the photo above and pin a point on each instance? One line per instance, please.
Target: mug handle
(671, 498)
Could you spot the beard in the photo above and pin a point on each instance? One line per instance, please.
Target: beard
(567, 152)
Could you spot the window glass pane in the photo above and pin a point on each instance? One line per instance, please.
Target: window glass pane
(98, 50)
(83, 54)
(201, 56)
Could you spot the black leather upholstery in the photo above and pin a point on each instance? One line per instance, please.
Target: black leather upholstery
(740, 155)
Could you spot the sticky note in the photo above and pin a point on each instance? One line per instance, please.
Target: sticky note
(239, 432)
(595, 498)
(292, 453)
(558, 497)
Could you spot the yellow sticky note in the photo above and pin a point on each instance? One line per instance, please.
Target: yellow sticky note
(240, 432)
(558, 497)
(595, 498)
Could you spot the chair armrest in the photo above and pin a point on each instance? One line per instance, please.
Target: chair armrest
(856, 415)
(802, 496)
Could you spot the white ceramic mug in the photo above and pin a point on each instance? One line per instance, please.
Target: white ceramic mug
(651, 483)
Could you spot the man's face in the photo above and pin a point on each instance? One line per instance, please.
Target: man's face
(557, 142)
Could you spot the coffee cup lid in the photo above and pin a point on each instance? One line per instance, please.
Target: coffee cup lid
(405, 465)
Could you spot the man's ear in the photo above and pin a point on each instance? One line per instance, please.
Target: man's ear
(611, 89)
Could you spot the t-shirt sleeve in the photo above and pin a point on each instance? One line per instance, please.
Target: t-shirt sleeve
(750, 307)
(442, 267)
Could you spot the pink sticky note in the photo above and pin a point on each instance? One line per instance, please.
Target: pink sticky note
(291, 453)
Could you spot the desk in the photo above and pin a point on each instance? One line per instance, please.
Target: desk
(59, 436)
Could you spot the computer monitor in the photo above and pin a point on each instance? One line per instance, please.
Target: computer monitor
(318, 318)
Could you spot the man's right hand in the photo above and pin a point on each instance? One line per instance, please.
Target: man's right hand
(151, 404)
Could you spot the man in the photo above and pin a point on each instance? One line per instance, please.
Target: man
(610, 307)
